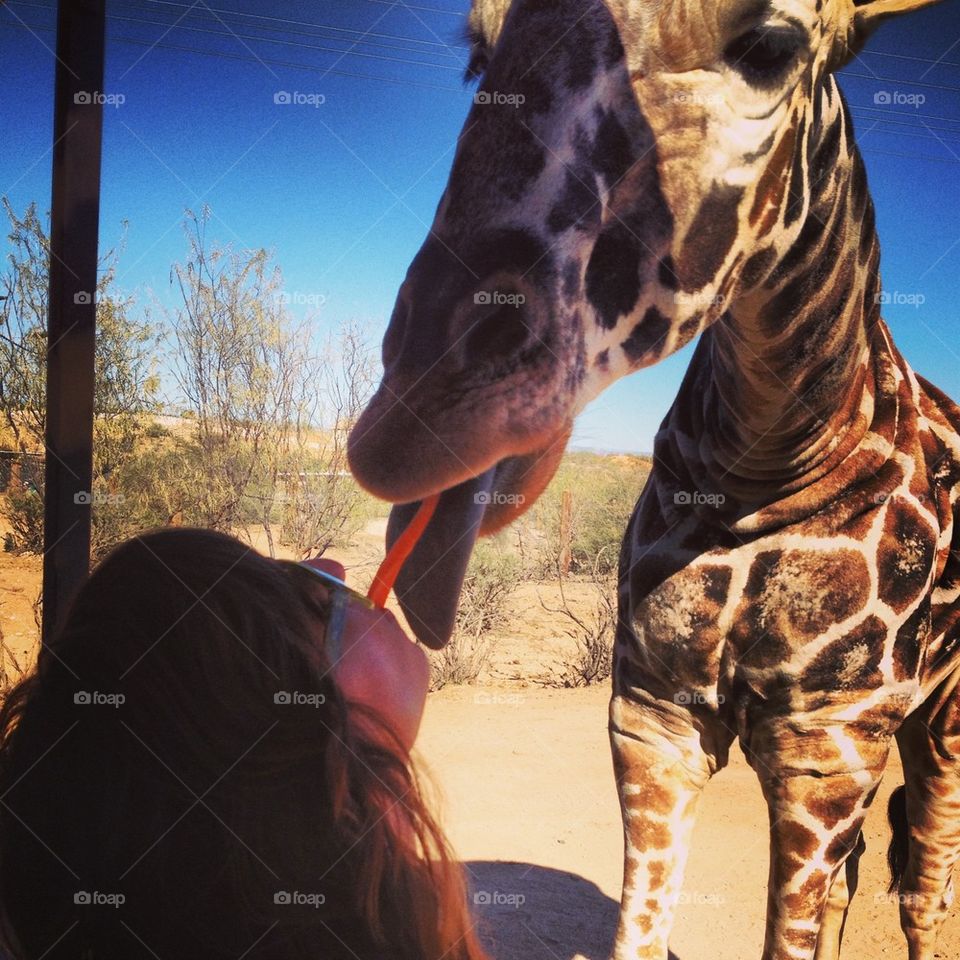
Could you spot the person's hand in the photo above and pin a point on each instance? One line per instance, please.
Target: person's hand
(379, 666)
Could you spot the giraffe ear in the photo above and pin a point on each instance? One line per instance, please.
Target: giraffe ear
(867, 15)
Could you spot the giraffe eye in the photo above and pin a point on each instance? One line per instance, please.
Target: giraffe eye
(477, 67)
(764, 57)
(479, 56)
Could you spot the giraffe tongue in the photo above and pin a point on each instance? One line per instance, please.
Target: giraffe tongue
(428, 585)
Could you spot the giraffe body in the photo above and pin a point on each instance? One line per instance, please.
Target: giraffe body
(811, 637)
(634, 174)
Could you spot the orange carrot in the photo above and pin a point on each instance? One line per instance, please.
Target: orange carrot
(390, 568)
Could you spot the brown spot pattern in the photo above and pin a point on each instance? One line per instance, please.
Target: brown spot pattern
(773, 180)
(679, 620)
(798, 839)
(809, 893)
(842, 844)
(905, 556)
(911, 639)
(710, 237)
(653, 796)
(793, 596)
(851, 663)
(646, 834)
(833, 801)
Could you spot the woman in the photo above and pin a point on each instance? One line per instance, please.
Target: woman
(190, 772)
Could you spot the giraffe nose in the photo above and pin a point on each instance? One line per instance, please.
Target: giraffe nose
(459, 327)
(493, 323)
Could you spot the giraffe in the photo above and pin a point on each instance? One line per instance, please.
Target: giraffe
(635, 174)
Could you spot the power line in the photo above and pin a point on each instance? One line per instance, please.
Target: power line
(410, 6)
(296, 43)
(917, 136)
(908, 156)
(228, 34)
(914, 126)
(919, 116)
(904, 56)
(912, 83)
(248, 59)
(288, 63)
(920, 134)
(456, 44)
(266, 20)
(901, 133)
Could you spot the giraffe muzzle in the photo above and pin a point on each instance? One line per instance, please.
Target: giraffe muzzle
(430, 582)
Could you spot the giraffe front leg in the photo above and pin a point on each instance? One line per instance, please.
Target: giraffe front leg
(661, 768)
(818, 784)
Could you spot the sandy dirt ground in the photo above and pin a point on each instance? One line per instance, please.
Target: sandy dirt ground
(525, 790)
(529, 805)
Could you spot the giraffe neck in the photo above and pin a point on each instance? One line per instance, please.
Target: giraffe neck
(785, 377)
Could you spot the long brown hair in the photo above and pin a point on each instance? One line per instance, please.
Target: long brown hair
(180, 777)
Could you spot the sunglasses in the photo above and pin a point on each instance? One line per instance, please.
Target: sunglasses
(340, 596)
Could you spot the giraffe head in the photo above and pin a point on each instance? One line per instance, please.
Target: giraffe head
(630, 171)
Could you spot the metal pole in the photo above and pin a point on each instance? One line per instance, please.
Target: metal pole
(71, 319)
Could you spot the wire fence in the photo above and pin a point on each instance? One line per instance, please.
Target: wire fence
(20, 471)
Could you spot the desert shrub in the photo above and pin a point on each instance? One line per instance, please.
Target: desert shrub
(271, 407)
(603, 490)
(323, 509)
(125, 387)
(159, 483)
(592, 634)
(490, 580)
(262, 402)
(11, 669)
(324, 506)
(156, 431)
(23, 510)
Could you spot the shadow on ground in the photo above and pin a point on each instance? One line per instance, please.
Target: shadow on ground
(527, 912)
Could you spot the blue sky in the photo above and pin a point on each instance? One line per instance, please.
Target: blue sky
(343, 193)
